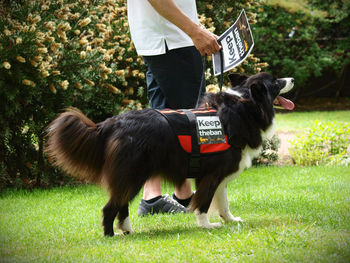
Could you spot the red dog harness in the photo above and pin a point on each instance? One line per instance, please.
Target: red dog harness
(199, 132)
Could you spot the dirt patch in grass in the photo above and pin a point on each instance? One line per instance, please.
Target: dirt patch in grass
(284, 157)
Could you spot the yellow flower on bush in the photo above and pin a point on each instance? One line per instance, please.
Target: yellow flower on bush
(56, 72)
(45, 74)
(84, 22)
(141, 75)
(50, 25)
(7, 32)
(36, 19)
(135, 72)
(82, 54)
(113, 89)
(212, 88)
(83, 41)
(45, 7)
(34, 63)
(28, 82)
(90, 82)
(42, 50)
(21, 59)
(19, 40)
(6, 65)
(64, 26)
(64, 84)
(52, 88)
(119, 72)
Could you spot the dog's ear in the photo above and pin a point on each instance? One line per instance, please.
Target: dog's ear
(237, 79)
(258, 90)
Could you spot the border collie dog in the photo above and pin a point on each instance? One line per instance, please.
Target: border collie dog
(124, 151)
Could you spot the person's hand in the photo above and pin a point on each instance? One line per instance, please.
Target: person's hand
(205, 41)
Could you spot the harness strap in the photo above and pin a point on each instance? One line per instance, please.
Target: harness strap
(221, 80)
(221, 68)
(194, 163)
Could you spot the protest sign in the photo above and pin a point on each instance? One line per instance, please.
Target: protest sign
(237, 43)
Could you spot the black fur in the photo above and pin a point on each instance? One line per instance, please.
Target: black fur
(124, 151)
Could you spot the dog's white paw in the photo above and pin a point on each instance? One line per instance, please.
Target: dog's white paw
(237, 219)
(123, 233)
(125, 227)
(203, 221)
(230, 218)
(212, 225)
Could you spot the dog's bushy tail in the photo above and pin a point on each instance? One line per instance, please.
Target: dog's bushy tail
(73, 144)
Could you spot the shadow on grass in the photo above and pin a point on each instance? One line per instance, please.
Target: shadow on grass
(168, 232)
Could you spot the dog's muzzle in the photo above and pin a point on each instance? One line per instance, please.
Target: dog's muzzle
(283, 102)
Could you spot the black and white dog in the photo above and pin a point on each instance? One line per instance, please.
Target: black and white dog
(124, 151)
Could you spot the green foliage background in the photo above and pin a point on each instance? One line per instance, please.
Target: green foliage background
(324, 143)
(55, 54)
(304, 42)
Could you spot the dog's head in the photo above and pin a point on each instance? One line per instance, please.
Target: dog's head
(262, 88)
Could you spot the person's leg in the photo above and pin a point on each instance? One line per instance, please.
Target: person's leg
(152, 188)
(152, 200)
(173, 80)
(178, 74)
(155, 95)
(185, 191)
(183, 194)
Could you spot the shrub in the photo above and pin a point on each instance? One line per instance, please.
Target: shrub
(269, 153)
(323, 143)
(55, 54)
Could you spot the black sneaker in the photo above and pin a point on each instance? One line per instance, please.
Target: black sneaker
(184, 202)
(163, 205)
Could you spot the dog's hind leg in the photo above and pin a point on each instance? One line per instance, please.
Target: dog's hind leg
(220, 203)
(109, 212)
(124, 221)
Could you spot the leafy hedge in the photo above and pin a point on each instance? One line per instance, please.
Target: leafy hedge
(56, 54)
(304, 45)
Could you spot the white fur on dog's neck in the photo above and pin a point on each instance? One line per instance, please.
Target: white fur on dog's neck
(233, 92)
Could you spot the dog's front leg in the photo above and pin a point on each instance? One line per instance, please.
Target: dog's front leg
(202, 199)
(220, 203)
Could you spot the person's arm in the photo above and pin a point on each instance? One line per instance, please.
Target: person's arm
(202, 38)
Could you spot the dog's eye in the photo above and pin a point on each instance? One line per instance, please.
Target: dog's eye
(277, 82)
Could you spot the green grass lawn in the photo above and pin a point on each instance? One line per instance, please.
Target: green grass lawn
(291, 214)
(298, 121)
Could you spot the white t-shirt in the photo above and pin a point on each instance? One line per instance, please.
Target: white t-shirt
(149, 30)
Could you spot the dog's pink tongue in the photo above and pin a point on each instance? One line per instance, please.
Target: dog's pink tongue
(285, 103)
